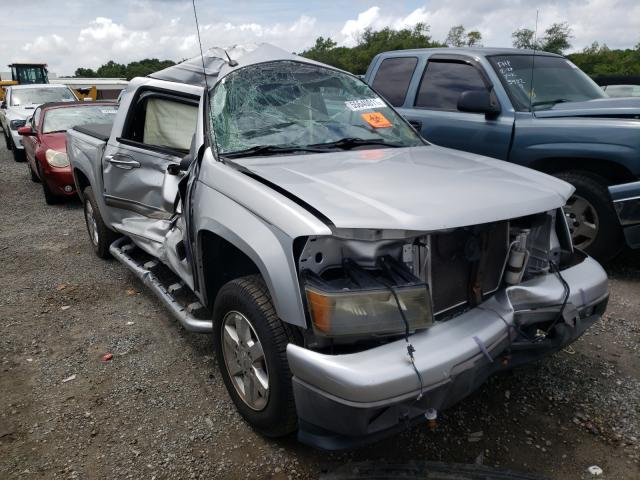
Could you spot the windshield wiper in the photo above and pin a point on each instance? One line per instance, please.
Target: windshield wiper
(550, 102)
(349, 143)
(270, 150)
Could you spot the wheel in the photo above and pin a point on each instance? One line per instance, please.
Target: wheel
(251, 343)
(8, 141)
(591, 217)
(100, 235)
(34, 176)
(18, 154)
(49, 197)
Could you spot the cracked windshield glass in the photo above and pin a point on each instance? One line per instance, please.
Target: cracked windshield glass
(291, 106)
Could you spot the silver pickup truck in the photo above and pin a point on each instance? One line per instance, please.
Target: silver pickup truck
(356, 278)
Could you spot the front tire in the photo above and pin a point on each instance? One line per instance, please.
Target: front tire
(49, 197)
(251, 343)
(591, 217)
(34, 175)
(100, 235)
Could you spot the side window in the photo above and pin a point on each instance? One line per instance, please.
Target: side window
(164, 123)
(35, 120)
(443, 82)
(393, 77)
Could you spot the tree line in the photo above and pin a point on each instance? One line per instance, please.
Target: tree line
(112, 69)
(595, 60)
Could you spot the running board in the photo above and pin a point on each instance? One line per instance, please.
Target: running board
(191, 314)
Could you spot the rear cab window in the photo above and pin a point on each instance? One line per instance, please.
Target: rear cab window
(393, 77)
(442, 83)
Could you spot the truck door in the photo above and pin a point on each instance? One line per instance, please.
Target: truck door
(433, 108)
(157, 133)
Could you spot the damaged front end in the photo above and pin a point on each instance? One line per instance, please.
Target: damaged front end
(403, 322)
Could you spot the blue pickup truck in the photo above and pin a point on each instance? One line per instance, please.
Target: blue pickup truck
(536, 109)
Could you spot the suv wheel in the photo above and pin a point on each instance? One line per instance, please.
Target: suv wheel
(591, 217)
(251, 343)
(100, 235)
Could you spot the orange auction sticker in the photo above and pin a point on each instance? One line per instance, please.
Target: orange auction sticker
(376, 120)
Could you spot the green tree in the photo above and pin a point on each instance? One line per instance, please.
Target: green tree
(456, 36)
(524, 38)
(459, 37)
(474, 37)
(356, 59)
(112, 69)
(556, 38)
(84, 73)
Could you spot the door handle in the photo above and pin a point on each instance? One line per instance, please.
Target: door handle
(124, 162)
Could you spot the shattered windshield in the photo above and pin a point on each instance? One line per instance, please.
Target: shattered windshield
(543, 81)
(288, 105)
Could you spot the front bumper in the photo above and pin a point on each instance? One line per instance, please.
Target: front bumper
(59, 179)
(346, 400)
(626, 201)
(17, 139)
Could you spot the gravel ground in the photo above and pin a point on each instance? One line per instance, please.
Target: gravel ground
(159, 409)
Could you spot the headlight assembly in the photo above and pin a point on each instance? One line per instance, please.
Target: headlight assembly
(369, 312)
(56, 159)
(375, 304)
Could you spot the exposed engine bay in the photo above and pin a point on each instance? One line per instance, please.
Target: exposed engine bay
(384, 283)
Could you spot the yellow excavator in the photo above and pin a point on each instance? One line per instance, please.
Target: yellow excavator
(24, 74)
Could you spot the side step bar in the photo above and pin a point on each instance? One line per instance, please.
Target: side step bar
(120, 250)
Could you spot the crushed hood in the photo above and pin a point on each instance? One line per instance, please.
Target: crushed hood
(419, 188)
(602, 107)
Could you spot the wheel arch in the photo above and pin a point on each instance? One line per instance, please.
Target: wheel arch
(81, 181)
(222, 257)
(611, 171)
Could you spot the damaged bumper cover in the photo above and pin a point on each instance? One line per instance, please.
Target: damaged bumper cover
(350, 399)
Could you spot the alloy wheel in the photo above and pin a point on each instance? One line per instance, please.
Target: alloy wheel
(92, 225)
(583, 221)
(245, 361)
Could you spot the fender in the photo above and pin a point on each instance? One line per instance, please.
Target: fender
(225, 201)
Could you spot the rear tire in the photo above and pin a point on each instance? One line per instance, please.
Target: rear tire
(591, 217)
(246, 301)
(100, 236)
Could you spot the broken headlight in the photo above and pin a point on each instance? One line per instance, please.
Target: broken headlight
(355, 301)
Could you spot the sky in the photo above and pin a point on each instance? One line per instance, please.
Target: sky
(68, 34)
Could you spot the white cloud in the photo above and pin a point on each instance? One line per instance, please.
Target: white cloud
(130, 30)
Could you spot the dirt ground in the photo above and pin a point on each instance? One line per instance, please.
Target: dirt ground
(159, 409)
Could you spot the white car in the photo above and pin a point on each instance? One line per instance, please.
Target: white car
(20, 102)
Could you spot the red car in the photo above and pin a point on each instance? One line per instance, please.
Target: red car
(45, 147)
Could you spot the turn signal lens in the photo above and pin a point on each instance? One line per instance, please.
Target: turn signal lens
(56, 159)
(369, 312)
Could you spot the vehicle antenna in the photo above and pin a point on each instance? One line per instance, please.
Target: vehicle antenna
(533, 62)
(204, 69)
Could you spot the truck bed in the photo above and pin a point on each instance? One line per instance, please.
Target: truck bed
(85, 146)
(101, 131)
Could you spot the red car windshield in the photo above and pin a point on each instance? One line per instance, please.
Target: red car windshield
(62, 119)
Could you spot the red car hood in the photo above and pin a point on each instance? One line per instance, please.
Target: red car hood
(54, 141)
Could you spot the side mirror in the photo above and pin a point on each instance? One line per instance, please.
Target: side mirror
(478, 101)
(3, 105)
(26, 131)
